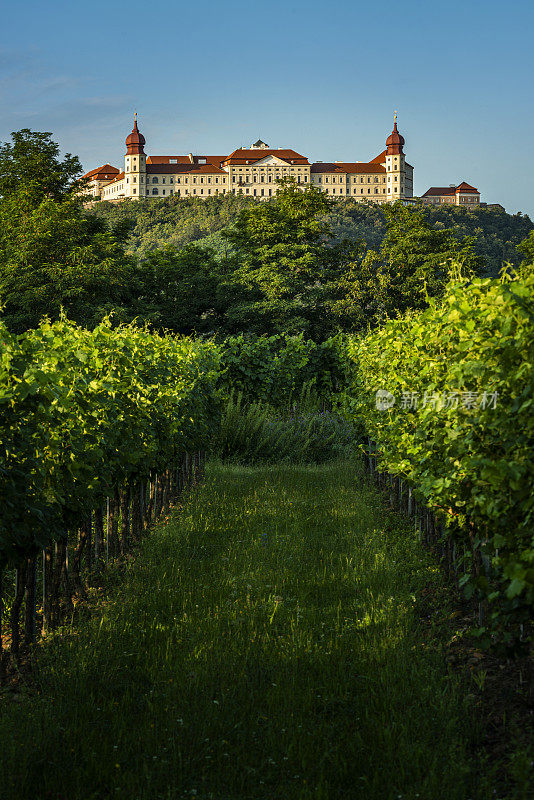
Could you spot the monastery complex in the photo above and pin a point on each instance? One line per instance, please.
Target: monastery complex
(254, 171)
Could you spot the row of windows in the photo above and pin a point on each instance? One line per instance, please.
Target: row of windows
(185, 180)
(271, 166)
(354, 180)
(355, 191)
(265, 179)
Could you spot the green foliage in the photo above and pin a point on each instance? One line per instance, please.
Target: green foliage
(280, 261)
(174, 221)
(54, 257)
(177, 290)
(31, 162)
(474, 464)
(83, 412)
(412, 266)
(276, 369)
(178, 221)
(300, 263)
(252, 433)
(526, 249)
(496, 234)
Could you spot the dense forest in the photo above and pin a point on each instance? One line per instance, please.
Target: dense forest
(301, 263)
(178, 221)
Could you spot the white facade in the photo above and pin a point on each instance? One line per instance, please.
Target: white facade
(254, 172)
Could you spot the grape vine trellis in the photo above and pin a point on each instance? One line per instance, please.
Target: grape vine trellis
(96, 428)
(474, 466)
(93, 423)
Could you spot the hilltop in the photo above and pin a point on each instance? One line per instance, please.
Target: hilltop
(179, 221)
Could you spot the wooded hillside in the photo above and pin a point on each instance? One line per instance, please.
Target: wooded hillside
(179, 221)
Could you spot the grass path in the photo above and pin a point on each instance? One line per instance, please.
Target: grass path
(266, 643)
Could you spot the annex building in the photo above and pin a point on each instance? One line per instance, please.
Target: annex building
(461, 195)
(251, 171)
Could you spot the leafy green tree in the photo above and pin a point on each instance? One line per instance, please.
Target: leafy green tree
(280, 263)
(412, 265)
(31, 160)
(52, 256)
(526, 249)
(177, 290)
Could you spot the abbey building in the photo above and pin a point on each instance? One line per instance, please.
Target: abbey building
(253, 171)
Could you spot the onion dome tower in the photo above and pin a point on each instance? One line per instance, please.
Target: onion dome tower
(394, 142)
(135, 163)
(395, 164)
(135, 141)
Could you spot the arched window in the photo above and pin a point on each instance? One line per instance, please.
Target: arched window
(154, 191)
(154, 180)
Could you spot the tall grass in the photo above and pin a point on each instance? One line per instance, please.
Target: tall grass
(256, 433)
(266, 644)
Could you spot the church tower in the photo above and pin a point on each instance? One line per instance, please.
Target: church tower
(135, 164)
(395, 165)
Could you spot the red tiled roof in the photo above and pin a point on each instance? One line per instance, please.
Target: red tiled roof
(380, 159)
(439, 190)
(185, 159)
(449, 190)
(465, 187)
(105, 169)
(117, 178)
(172, 169)
(349, 167)
(241, 156)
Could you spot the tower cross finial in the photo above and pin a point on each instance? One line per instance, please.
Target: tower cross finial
(395, 116)
(135, 116)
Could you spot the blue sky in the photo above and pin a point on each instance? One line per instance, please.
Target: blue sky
(320, 77)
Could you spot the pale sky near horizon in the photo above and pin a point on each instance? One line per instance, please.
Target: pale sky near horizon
(321, 78)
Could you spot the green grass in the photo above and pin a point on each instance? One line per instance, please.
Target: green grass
(266, 643)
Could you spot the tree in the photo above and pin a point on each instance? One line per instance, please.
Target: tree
(52, 256)
(177, 290)
(31, 160)
(526, 249)
(412, 265)
(278, 263)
